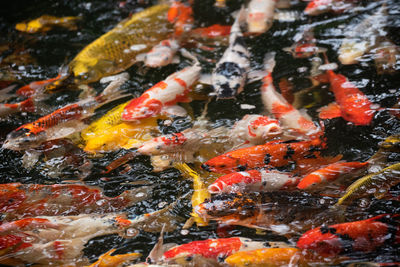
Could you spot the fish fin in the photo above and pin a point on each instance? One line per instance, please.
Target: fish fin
(141, 57)
(256, 75)
(157, 252)
(115, 82)
(329, 112)
(269, 61)
(190, 56)
(174, 110)
(205, 79)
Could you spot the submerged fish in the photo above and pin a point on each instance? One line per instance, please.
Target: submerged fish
(46, 23)
(174, 89)
(27, 200)
(260, 15)
(364, 236)
(317, 7)
(375, 183)
(230, 73)
(62, 122)
(363, 37)
(305, 45)
(117, 49)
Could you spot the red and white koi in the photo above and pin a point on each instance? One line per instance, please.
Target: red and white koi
(351, 103)
(212, 248)
(255, 130)
(318, 7)
(260, 15)
(162, 54)
(230, 74)
(175, 88)
(305, 45)
(26, 200)
(364, 236)
(213, 31)
(63, 121)
(253, 181)
(277, 105)
(331, 173)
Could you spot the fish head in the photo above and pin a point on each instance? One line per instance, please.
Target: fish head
(152, 147)
(227, 183)
(23, 138)
(223, 164)
(264, 128)
(258, 22)
(228, 80)
(159, 58)
(141, 108)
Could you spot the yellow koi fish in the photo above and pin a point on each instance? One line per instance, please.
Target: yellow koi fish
(116, 50)
(46, 23)
(106, 260)
(200, 193)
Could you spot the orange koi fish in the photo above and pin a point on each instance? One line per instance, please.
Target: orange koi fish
(272, 154)
(181, 15)
(212, 248)
(212, 31)
(365, 235)
(253, 181)
(30, 89)
(26, 200)
(305, 45)
(175, 88)
(276, 104)
(106, 260)
(54, 125)
(351, 103)
(317, 7)
(331, 173)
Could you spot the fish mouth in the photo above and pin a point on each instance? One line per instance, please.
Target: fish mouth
(214, 189)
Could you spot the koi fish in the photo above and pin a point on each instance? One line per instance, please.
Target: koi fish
(274, 257)
(253, 181)
(255, 129)
(283, 213)
(213, 31)
(27, 200)
(351, 103)
(305, 45)
(272, 154)
(318, 7)
(277, 105)
(107, 260)
(175, 88)
(229, 76)
(331, 173)
(26, 105)
(46, 23)
(63, 121)
(117, 49)
(220, 3)
(181, 15)
(30, 89)
(363, 37)
(385, 56)
(377, 183)
(212, 248)
(365, 235)
(260, 15)
(162, 54)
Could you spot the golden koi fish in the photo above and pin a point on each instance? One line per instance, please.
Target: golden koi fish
(106, 259)
(46, 23)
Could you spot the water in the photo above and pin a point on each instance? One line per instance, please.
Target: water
(39, 56)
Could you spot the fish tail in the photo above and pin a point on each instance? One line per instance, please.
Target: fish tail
(113, 90)
(269, 61)
(190, 56)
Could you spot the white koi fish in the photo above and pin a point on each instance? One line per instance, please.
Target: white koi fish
(162, 54)
(230, 74)
(260, 15)
(277, 105)
(175, 88)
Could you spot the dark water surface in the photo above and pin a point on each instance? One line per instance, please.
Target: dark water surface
(47, 52)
